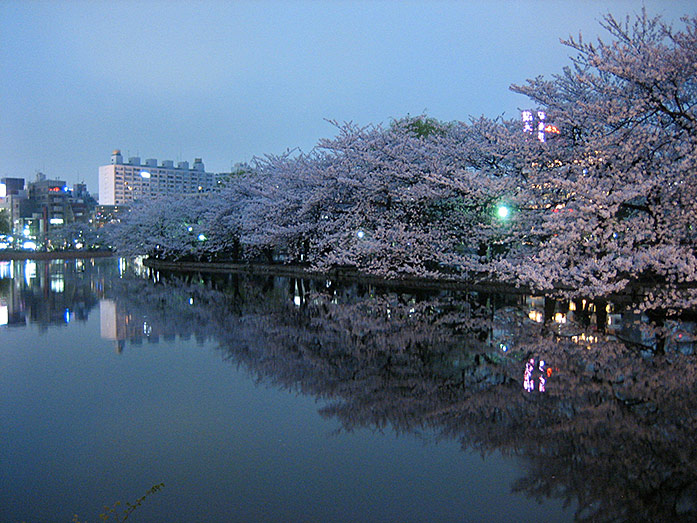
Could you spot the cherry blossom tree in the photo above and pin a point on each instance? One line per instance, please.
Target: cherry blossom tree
(608, 201)
(168, 227)
(625, 163)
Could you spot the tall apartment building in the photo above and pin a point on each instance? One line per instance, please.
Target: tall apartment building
(123, 182)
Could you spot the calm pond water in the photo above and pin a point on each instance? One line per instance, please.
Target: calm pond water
(256, 398)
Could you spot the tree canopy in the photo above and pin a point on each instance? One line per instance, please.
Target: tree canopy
(608, 200)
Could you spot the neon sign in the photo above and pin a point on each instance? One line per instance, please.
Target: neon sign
(537, 120)
(527, 121)
(541, 125)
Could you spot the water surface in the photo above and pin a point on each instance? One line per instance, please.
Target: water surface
(274, 399)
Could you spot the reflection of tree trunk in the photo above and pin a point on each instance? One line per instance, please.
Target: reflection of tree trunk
(234, 284)
(268, 285)
(236, 250)
(550, 305)
(657, 318)
(581, 314)
(267, 253)
(601, 314)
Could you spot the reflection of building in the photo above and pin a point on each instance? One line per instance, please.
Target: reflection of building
(112, 325)
(45, 293)
(121, 326)
(121, 183)
(11, 303)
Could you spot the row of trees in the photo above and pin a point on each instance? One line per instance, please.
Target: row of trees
(610, 199)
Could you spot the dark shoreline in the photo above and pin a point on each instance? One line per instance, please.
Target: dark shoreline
(344, 274)
(632, 291)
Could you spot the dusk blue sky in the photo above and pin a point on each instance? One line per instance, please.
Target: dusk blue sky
(226, 81)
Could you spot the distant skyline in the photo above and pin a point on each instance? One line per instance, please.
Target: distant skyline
(227, 81)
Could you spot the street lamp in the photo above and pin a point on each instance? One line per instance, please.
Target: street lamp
(503, 211)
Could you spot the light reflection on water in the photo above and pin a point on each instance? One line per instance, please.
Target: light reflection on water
(466, 368)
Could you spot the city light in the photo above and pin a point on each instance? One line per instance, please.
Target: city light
(360, 235)
(6, 268)
(29, 271)
(201, 237)
(57, 283)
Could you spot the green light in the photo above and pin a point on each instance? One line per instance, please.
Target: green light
(503, 212)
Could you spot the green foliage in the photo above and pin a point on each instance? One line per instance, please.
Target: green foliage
(5, 225)
(115, 512)
(240, 169)
(422, 126)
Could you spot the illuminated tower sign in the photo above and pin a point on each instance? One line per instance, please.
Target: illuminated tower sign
(537, 119)
(527, 121)
(541, 125)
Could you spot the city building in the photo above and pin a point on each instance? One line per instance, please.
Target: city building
(124, 182)
(50, 200)
(13, 199)
(81, 203)
(11, 186)
(43, 205)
